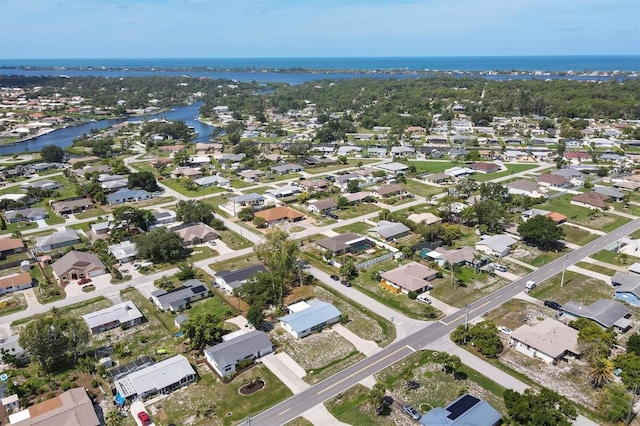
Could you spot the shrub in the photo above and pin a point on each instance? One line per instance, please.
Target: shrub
(94, 383)
(412, 295)
(66, 385)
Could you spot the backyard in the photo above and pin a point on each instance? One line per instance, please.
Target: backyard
(603, 221)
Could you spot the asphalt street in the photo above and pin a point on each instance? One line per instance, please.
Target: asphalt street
(317, 394)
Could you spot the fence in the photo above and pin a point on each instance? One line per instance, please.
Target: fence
(374, 261)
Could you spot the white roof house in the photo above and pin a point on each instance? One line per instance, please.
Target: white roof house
(495, 245)
(124, 314)
(163, 377)
(123, 252)
(549, 340)
(310, 318)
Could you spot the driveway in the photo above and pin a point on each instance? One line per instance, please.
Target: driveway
(287, 370)
(41, 223)
(367, 347)
(100, 282)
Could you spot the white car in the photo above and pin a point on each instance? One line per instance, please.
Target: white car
(503, 329)
(424, 299)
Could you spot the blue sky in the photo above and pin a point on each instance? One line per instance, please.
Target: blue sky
(316, 28)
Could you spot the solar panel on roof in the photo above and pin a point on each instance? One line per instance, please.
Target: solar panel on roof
(461, 406)
(123, 370)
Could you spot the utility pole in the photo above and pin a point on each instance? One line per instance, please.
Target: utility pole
(466, 323)
(627, 422)
(564, 268)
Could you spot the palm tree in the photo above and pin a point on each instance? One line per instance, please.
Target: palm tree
(600, 371)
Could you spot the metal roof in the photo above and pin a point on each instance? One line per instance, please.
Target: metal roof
(318, 312)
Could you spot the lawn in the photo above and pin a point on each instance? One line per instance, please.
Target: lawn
(177, 185)
(77, 309)
(466, 288)
(356, 211)
(432, 166)
(421, 189)
(223, 402)
(20, 226)
(577, 287)
(615, 258)
(200, 253)
(12, 303)
(596, 268)
(235, 263)
(233, 240)
(603, 221)
(214, 305)
(577, 236)
(357, 227)
(511, 170)
(534, 256)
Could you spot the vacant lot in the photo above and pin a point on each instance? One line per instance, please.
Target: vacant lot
(603, 221)
(577, 288)
(534, 256)
(577, 236)
(511, 170)
(468, 286)
(356, 210)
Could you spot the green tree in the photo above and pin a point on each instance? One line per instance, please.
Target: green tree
(181, 158)
(255, 316)
(460, 335)
(614, 402)
(203, 329)
(545, 408)
(161, 245)
(259, 222)
(113, 418)
(186, 271)
(234, 138)
(342, 202)
(142, 180)
(52, 153)
(348, 269)
(486, 339)
(541, 231)
(633, 344)
(279, 254)
(246, 214)
(127, 217)
(353, 186)
(629, 363)
(342, 159)
(593, 340)
(102, 148)
(194, 211)
(600, 371)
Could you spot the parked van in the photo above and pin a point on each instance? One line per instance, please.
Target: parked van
(530, 285)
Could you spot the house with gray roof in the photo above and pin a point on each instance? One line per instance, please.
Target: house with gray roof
(393, 168)
(402, 151)
(76, 265)
(389, 230)
(162, 377)
(282, 191)
(322, 206)
(612, 193)
(345, 243)
(605, 312)
(224, 357)
(214, 180)
(231, 280)
(26, 215)
(463, 411)
(283, 169)
(128, 195)
(44, 184)
(495, 245)
(58, 239)
(123, 315)
(239, 202)
(308, 317)
(627, 287)
(177, 299)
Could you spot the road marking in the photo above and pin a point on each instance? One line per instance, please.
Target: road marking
(462, 315)
(362, 369)
(412, 350)
(282, 412)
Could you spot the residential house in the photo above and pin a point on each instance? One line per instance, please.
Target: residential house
(549, 340)
(342, 181)
(253, 200)
(124, 315)
(214, 180)
(387, 190)
(591, 200)
(224, 357)
(306, 318)
(179, 320)
(70, 408)
(58, 239)
(377, 152)
(162, 377)
(627, 287)
(314, 185)
(188, 172)
(569, 173)
(232, 280)
(390, 230)
(100, 228)
(613, 193)
(347, 150)
(460, 256)
(393, 168)
(284, 169)
(495, 245)
(458, 172)
(635, 268)
(171, 149)
(76, 265)
(72, 206)
(11, 344)
(412, 276)
(607, 313)
(626, 184)
(26, 215)
(164, 217)
(576, 156)
(9, 246)
(177, 299)
(437, 178)
(43, 184)
(124, 252)
(463, 411)
(516, 156)
(357, 197)
(128, 195)
(554, 181)
(524, 187)
(284, 191)
(485, 167)
(15, 282)
(197, 233)
(345, 243)
(425, 218)
(322, 207)
(276, 215)
(252, 176)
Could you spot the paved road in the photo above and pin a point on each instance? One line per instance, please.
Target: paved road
(317, 394)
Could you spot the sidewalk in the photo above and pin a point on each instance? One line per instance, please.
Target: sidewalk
(605, 264)
(519, 262)
(588, 273)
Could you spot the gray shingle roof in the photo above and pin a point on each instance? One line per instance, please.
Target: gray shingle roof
(389, 229)
(235, 278)
(238, 348)
(606, 312)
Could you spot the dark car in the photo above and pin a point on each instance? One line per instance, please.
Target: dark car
(345, 283)
(84, 281)
(335, 277)
(412, 412)
(553, 305)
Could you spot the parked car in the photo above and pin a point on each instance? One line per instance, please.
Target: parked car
(345, 283)
(335, 277)
(144, 418)
(424, 299)
(530, 285)
(499, 267)
(503, 329)
(84, 281)
(412, 412)
(553, 305)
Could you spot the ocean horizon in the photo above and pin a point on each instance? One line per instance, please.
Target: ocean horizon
(564, 63)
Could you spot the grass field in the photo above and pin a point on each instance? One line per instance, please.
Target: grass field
(577, 288)
(355, 211)
(606, 222)
(577, 236)
(511, 170)
(432, 166)
(596, 268)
